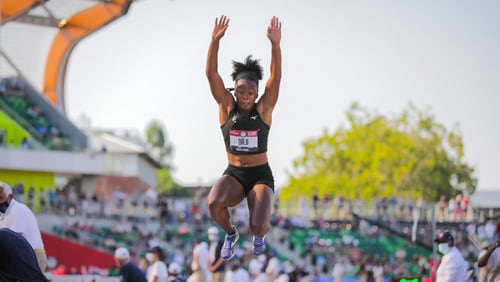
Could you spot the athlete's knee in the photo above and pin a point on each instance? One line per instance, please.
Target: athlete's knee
(215, 204)
(259, 228)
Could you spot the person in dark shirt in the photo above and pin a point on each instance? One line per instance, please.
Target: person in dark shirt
(17, 259)
(129, 272)
(216, 264)
(245, 124)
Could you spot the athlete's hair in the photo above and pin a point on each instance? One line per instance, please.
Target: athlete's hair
(250, 69)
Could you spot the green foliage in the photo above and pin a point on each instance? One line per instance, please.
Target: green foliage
(160, 149)
(167, 185)
(409, 155)
(158, 145)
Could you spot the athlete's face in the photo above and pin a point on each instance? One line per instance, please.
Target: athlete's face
(246, 93)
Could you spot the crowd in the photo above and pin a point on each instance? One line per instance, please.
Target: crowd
(73, 201)
(182, 239)
(31, 117)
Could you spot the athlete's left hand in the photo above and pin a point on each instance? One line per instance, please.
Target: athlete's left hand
(274, 30)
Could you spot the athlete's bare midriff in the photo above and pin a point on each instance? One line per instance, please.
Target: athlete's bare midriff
(247, 160)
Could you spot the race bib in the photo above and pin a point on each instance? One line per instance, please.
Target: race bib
(244, 140)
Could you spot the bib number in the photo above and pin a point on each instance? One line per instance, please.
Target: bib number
(244, 140)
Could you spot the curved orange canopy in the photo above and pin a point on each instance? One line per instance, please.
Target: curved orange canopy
(71, 31)
(13, 8)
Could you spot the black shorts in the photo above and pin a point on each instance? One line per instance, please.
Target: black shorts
(248, 177)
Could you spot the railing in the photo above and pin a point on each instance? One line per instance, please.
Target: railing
(368, 209)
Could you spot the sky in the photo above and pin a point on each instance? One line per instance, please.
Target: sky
(442, 56)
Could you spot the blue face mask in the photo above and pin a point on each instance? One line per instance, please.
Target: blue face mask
(444, 248)
(4, 206)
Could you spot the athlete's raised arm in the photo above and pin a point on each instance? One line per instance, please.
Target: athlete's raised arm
(270, 96)
(219, 92)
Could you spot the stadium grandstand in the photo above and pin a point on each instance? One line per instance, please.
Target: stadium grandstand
(93, 190)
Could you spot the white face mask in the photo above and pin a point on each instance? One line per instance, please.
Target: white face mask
(444, 248)
(150, 257)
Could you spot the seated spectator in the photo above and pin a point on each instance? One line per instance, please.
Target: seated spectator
(17, 258)
(25, 143)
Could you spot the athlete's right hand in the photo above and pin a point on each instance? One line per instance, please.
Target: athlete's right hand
(221, 24)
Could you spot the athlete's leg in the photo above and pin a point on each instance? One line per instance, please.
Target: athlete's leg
(259, 204)
(226, 192)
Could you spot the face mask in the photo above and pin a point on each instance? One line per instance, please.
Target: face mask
(443, 248)
(150, 257)
(4, 206)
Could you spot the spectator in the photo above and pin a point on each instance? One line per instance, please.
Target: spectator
(256, 265)
(237, 273)
(315, 203)
(52, 199)
(199, 264)
(18, 217)
(43, 201)
(129, 272)
(273, 266)
(262, 276)
(157, 271)
(31, 197)
(174, 272)
(24, 143)
(452, 267)
(339, 270)
(442, 208)
(323, 276)
(18, 261)
(216, 263)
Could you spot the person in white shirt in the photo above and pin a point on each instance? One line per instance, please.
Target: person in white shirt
(339, 270)
(378, 271)
(273, 266)
(199, 263)
(489, 260)
(237, 273)
(452, 267)
(284, 274)
(255, 265)
(19, 218)
(157, 271)
(262, 276)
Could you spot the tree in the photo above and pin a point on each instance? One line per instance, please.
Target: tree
(161, 150)
(409, 155)
(168, 186)
(159, 147)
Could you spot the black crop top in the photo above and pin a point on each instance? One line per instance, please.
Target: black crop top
(245, 135)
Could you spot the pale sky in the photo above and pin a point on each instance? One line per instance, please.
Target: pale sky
(443, 56)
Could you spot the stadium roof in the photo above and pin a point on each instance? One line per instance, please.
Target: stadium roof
(38, 36)
(485, 198)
